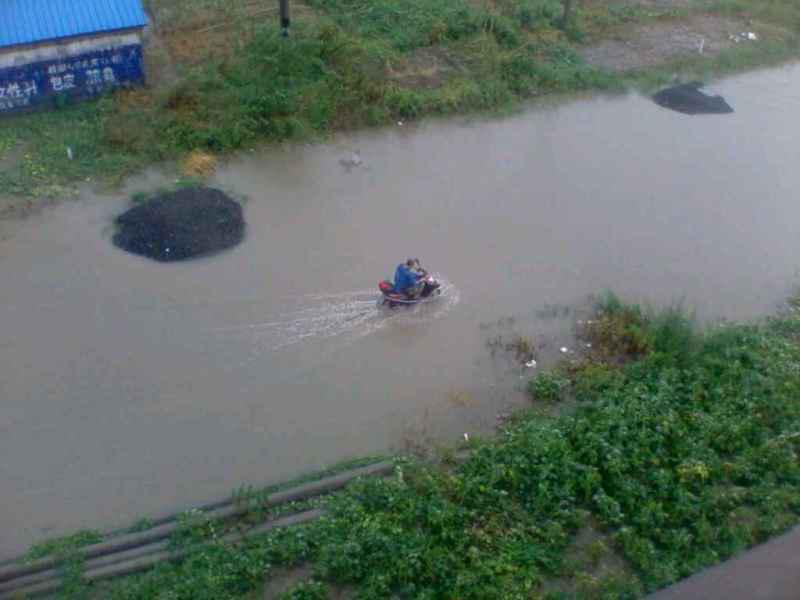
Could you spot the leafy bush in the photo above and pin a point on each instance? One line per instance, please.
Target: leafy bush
(424, 535)
(548, 387)
(626, 330)
(593, 381)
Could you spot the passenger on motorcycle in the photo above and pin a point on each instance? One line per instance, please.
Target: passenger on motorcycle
(407, 278)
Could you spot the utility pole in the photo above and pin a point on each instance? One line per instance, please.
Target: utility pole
(284, 17)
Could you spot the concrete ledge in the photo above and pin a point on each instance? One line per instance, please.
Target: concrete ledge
(770, 571)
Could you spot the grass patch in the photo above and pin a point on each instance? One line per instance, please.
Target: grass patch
(673, 463)
(604, 19)
(405, 24)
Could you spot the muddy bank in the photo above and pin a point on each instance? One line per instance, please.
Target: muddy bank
(649, 45)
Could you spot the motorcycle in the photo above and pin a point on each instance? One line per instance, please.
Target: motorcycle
(430, 289)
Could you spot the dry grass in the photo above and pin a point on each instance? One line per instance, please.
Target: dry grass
(199, 164)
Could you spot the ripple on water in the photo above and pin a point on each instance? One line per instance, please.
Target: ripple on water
(348, 315)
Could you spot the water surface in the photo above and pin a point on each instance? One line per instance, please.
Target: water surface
(129, 387)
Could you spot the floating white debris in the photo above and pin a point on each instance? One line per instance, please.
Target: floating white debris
(744, 36)
(564, 350)
(400, 123)
(69, 153)
(531, 364)
(466, 437)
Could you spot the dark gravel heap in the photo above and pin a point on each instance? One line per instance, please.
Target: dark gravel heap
(688, 99)
(180, 225)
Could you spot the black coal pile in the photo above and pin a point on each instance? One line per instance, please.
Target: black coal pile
(688, 99)
(180, 225)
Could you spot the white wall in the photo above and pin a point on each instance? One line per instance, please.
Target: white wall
(62, 49)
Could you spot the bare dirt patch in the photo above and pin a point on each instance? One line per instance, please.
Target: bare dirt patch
(651, 44)
(426, 68)
(282, 580)
(594, 569)
(11, 155)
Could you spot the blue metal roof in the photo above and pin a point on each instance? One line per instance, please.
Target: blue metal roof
(32, 21)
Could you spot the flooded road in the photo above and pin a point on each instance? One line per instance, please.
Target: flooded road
(129, 387)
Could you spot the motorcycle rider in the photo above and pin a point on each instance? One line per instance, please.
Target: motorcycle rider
(407, 278)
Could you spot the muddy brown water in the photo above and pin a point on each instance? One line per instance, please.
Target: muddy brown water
(129, 388)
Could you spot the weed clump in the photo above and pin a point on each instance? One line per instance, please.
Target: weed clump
(619, 332)
(66, 551)
(548, 387)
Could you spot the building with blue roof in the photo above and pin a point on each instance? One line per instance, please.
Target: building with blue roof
(70, 49)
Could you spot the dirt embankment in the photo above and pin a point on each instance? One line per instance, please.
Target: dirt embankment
(670, 30)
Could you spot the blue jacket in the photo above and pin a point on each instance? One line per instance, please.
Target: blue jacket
(404, 278)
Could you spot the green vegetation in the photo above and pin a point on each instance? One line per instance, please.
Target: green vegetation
(66, 550)
(348, 63)
(142, 524)
(681, 453)
(627, 331)
(548, 387)
(247, 492)
(61, 545)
